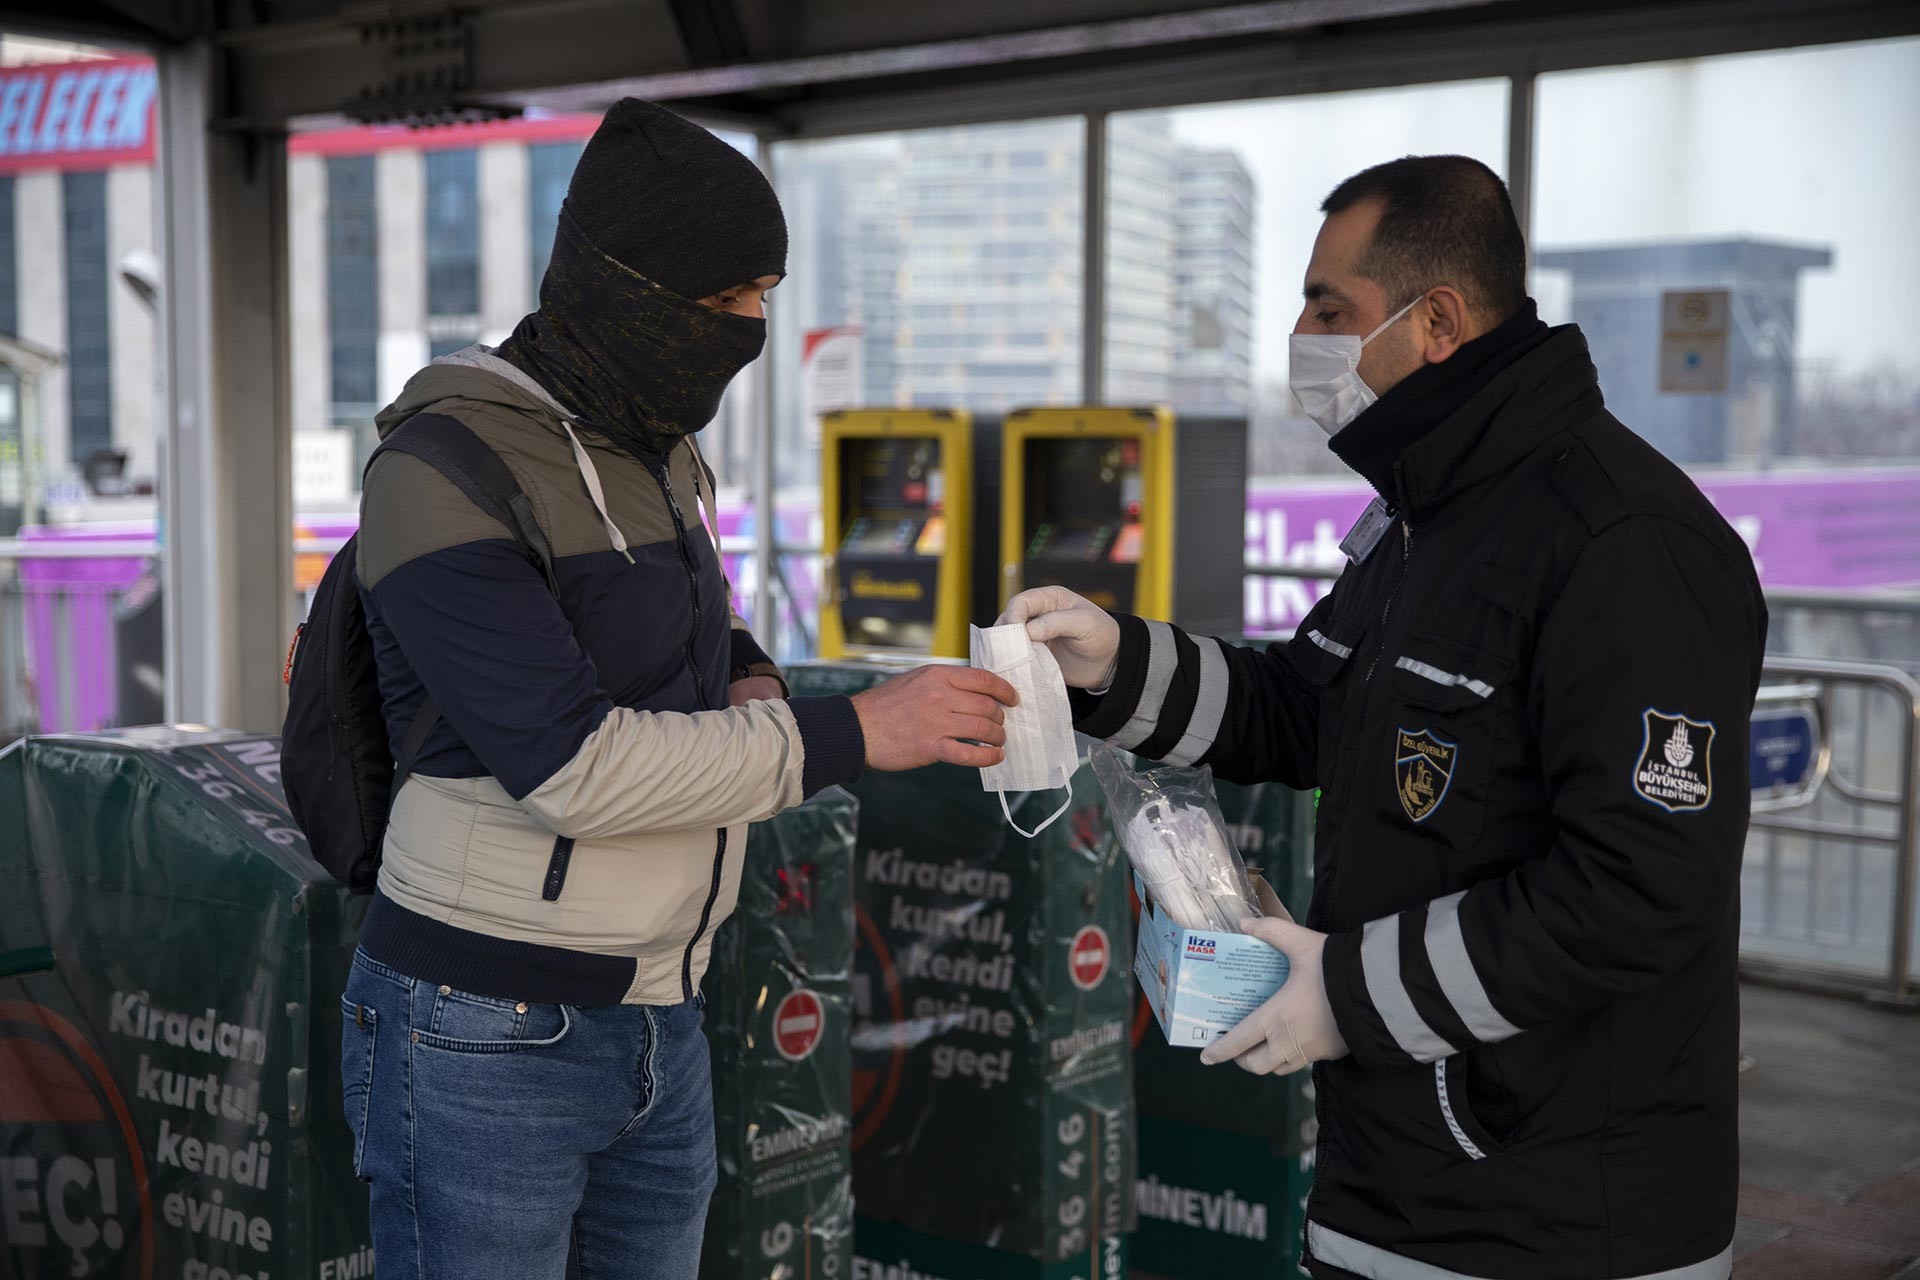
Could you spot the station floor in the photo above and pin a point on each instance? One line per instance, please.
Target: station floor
(1829, 1139)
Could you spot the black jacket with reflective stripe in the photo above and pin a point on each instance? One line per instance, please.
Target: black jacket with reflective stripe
(1527, 710)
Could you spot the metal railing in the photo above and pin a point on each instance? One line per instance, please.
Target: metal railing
(60, 607)
(1829, 885)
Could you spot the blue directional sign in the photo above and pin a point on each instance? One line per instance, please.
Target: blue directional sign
(1788, 753)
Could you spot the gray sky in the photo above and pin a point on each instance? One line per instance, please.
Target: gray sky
(1813, 146)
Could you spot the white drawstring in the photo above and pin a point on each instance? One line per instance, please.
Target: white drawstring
(592, 477)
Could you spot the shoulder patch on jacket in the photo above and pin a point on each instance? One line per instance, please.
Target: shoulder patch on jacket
(1583, 484)
(1675, 767)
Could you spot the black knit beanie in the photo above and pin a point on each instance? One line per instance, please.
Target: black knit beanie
(667, 199)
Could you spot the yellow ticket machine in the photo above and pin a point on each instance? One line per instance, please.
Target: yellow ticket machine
(898, 532)
(1131, 508)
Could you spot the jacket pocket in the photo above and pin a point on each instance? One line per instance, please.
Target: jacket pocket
(462, 1022)
(1463, 1090)
(357, 1039)
(1323, 655)
(1442, 739)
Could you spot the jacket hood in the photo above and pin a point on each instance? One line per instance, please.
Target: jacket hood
(474, 374)
(477, 375)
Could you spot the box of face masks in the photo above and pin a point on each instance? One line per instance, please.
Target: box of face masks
(1201, 982)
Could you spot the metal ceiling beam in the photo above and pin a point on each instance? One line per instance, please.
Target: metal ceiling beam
(998, 51)
(711, 31)
(313, 71)
(289, 71)
(1347, 59)
(128, 24)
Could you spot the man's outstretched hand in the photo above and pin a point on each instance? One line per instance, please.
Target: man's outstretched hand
(936, 715)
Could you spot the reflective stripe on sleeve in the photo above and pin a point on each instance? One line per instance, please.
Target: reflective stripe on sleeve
(1209, 706)
(1459, 980)
(1163, 659)
(1380, 963)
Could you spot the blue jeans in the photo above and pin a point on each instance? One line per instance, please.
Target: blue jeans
(506, 1140)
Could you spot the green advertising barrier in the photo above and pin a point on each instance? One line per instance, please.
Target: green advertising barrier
(887, 1251)
(992, 1086)
(170, 1090)
(779, 1016)
(1226, 1157)
(1218, 1204)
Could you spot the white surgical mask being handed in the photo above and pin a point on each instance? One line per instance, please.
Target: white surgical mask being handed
(1041, 753)
(1323, 369)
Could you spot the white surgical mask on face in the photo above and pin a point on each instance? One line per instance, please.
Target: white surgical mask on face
(1042, 754)
(1323, 369)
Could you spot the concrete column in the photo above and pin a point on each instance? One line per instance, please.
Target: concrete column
(506, 292)
(132, 321)
(400, 183)
(40, 223)
(227, 460)
(310, 345)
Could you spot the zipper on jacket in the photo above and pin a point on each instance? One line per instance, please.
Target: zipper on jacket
(1366, 682)
(1386, 610)
(706, 917)
(664, 476)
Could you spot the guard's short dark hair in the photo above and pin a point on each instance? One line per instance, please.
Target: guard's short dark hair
(1443, 220)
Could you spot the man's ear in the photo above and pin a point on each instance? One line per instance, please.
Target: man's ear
(1447, 321)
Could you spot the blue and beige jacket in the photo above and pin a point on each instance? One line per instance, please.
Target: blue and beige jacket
(573, 830)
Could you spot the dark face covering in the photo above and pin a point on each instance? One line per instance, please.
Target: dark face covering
(632, 359)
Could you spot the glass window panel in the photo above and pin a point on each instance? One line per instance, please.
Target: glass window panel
(353, 287)
(1785, 179)
(453, 232)
(549, 170)
(89, 355)
(957, 254)
(1211, 214)
(81, 643)
(9, 261)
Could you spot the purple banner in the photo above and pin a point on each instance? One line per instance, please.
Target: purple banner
(1835, 530)
(1838, 530)
(1842, 530)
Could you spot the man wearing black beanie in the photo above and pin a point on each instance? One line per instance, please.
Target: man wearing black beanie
(668, 243)
(523, 1063)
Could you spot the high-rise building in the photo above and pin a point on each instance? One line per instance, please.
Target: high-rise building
(76, 204)
(959, 252)
(1142, 337)
(1213, 282)
(990, 281)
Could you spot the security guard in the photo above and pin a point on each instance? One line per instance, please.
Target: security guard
(1525, 704)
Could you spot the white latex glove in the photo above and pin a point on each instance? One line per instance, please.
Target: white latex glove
(1084, 638)
(1295, 1028)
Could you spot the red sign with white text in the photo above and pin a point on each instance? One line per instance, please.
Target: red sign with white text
(77, 115)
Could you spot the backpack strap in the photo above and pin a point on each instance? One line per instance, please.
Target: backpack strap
(425, 719)
(451, 448)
